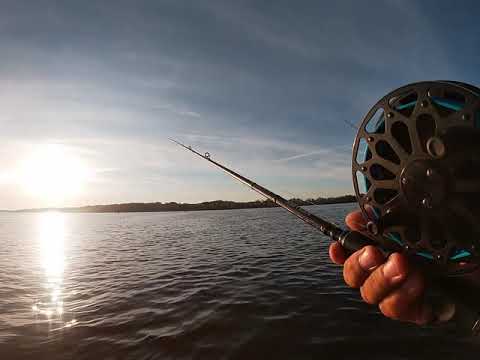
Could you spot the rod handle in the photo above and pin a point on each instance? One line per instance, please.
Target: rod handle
(354, 240)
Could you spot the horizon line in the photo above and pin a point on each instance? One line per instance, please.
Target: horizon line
(66, 208)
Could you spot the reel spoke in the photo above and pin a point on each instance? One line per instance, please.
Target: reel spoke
(402, 154)
(390, 166)
(387, 184)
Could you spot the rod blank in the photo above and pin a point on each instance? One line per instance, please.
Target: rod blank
(326, 227)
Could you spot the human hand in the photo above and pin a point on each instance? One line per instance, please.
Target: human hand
(391, 283)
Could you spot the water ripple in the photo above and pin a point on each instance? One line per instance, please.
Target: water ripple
(242, 284)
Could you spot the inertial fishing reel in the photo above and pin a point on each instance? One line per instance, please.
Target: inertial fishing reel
(416, 172)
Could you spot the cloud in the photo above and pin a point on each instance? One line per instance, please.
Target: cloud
(190, 113)
(300, 156)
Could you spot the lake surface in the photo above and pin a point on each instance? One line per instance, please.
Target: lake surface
(239, 284)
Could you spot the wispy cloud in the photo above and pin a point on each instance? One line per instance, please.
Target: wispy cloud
(300, 156)
(190, 113)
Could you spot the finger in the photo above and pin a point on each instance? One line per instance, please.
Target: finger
(406, 303)
(360, 264)
(385, 279)
(356, 221)
(337, 253)
(419, 312)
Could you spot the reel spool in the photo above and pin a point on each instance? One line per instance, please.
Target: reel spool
(416, 172)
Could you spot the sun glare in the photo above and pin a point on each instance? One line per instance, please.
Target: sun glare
(51, 239)
(53, 173)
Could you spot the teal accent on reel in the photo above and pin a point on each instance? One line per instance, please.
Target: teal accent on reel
(449, 104)
(460, 254)
(394, 236)
(425, 254)
(364, 183)
(406, 106)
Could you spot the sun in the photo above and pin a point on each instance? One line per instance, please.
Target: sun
(53, 173)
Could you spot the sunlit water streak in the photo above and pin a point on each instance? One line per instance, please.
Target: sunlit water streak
(51, 235)
(242, 284)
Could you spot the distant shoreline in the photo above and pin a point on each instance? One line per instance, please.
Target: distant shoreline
(173, 206)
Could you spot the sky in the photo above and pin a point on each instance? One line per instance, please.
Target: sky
(90, 92)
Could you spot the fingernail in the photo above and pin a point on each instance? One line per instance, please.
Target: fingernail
(391, 271)
(367, 261)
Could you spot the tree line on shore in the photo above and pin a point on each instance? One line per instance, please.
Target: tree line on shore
(208, 205)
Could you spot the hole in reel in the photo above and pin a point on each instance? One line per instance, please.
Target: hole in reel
(404, 103)
(401, 134)
(385, 151)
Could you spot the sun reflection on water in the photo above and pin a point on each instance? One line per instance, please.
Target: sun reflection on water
(51, 241)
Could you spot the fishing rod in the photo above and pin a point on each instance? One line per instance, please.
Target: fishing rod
(350, 240)
(416, 176)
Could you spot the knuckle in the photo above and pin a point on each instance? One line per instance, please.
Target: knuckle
(367, 296)
(373, 250)
(336, 253)
(349, 278)
(374, 289)
(351, 273)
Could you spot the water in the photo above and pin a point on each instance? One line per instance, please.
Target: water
(241, 284)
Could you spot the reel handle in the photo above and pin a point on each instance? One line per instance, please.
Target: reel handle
(466, 298)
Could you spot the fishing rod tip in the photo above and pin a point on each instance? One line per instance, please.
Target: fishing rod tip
(175, 141)
(180, 144)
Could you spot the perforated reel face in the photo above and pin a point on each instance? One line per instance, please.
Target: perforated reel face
(416, 171)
